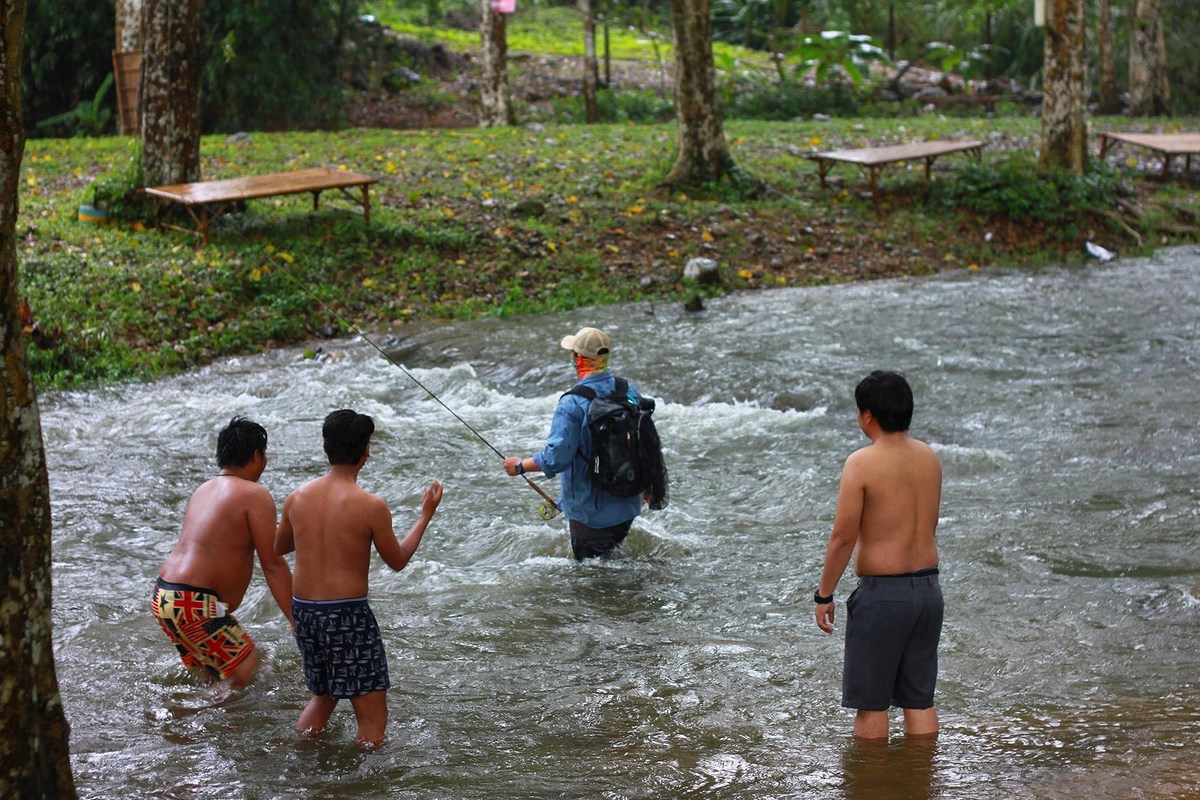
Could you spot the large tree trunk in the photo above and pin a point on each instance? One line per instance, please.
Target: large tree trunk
(1064, 125)
(1149, 88)
(129, 25)
(702, 155)
(495, 107)
(170, 93)
(34, 758)
(127, 64)
(1110, 102)
(589, 61)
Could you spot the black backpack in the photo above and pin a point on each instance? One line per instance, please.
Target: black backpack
(626, 457)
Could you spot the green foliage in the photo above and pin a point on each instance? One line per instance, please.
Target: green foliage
(118, 190)
(274, 64)
(968, 62)
(86, 119)
(269, 64)
(752, 23)
(836, 55)
(68, 53)
(631, 106)
(1015, 188)
(763, 99)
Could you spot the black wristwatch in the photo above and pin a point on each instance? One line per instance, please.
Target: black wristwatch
(819, 600)
(520, 468)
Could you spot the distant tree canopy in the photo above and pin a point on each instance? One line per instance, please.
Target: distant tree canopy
(275, 63)
(270, 64)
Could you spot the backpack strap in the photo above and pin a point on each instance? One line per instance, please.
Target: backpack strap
(588, 393)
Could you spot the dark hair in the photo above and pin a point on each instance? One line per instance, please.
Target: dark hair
(239, 441)
(346, 434)
(889, 399)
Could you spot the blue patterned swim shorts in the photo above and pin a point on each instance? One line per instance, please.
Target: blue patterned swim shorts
(341, 647)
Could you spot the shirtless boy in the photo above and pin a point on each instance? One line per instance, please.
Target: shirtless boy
(228, 519)
(887, 513)
(331, 523)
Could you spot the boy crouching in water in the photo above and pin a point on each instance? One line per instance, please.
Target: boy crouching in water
(229, 519)
(331, 524)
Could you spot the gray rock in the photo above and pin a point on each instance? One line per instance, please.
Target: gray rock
(704, 271)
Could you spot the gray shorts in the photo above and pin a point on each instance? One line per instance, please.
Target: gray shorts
(893, 625)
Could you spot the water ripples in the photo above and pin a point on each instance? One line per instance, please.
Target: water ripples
(1060, 402)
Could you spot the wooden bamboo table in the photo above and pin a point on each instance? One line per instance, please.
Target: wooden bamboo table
(206, 201)
(1167, 145)
(874, 159)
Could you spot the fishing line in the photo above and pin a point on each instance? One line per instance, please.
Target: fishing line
(547, 511)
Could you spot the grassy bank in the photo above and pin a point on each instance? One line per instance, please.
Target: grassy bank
(450, 237)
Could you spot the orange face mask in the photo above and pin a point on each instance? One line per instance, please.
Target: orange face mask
(590, 366)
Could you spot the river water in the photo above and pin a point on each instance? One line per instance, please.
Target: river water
(1062, 402)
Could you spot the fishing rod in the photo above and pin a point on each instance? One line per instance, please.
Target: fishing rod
(547, 511)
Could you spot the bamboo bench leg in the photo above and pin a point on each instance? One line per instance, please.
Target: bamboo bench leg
(823, 169)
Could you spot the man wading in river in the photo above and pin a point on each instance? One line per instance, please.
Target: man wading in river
(598, 520)
(887, 513)
(228, 519)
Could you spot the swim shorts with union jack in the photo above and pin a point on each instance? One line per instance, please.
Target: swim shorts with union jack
(202, 631)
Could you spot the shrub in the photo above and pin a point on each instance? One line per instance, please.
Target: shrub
(118, 190)
(1016, 188)
(757, 99)
(611, 106)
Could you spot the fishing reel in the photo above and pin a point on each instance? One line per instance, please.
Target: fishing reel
(547, 511)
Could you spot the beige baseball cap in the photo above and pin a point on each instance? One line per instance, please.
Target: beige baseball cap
(588, 342)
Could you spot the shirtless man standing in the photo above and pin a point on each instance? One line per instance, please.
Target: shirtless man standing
(228, 519)
(331, 523)
(887, 513)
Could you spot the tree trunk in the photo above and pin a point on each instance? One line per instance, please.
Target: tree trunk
(1149, 89)
(1110, 102)
(495, 108)
(589, 61)
(170, 92)
(34, 756)
(129, 25)
(607, 55)
(1064, 125)
(702, 155)
(891, 32)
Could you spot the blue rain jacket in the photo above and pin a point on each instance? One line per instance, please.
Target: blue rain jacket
(566, 455)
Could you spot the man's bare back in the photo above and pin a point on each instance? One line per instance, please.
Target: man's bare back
(225, 518)
(333, 522)
(901, 484)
